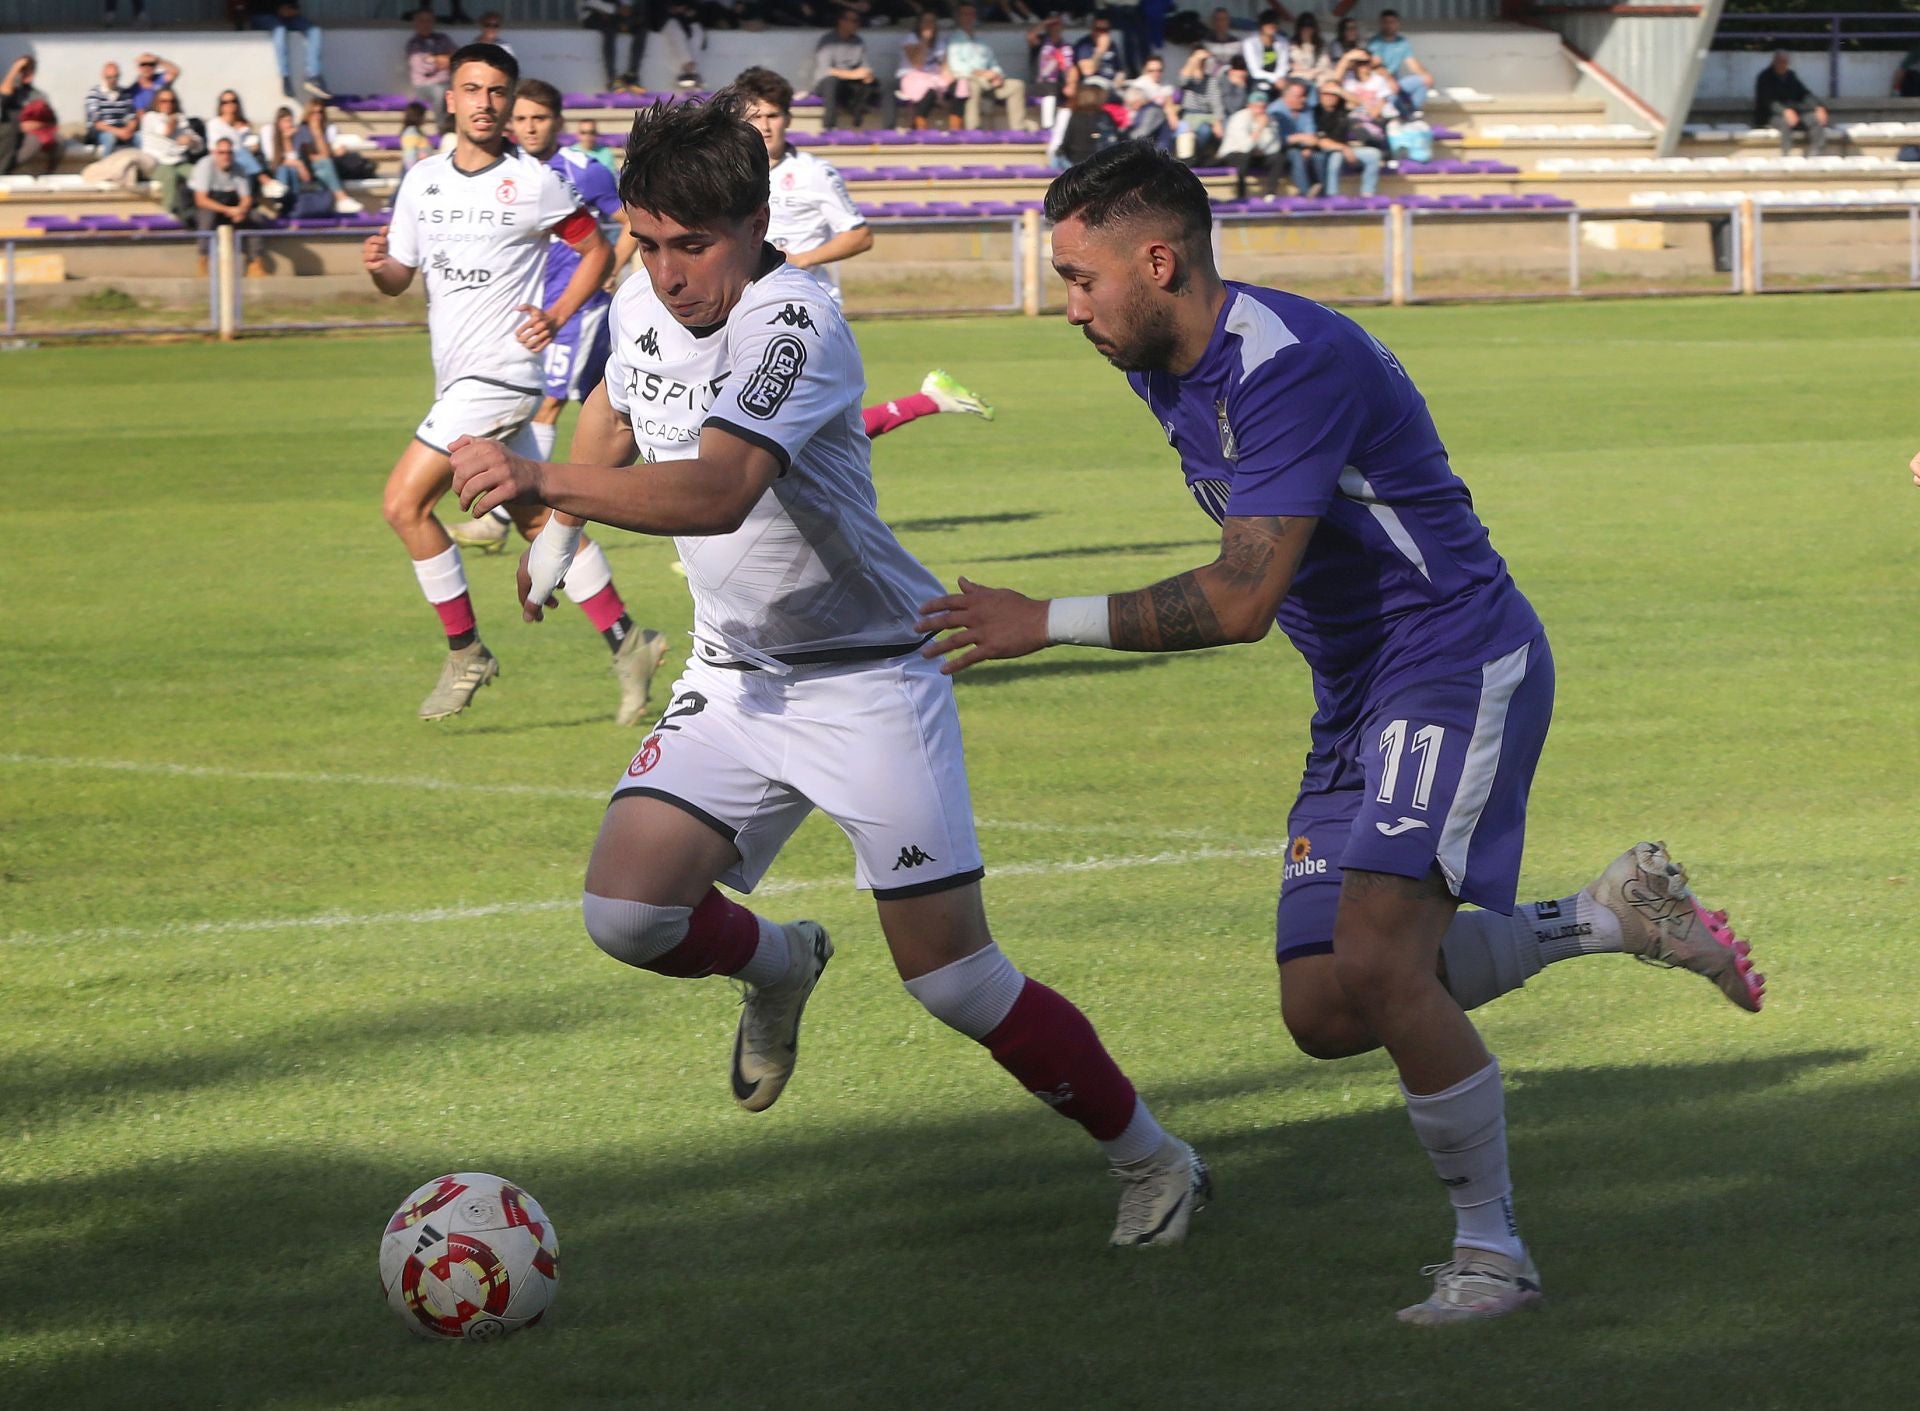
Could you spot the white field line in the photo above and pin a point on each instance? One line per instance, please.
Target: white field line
(338, 920)
(457, 786)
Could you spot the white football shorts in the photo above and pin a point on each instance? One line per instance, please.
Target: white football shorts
(475, 406)
(873, 745)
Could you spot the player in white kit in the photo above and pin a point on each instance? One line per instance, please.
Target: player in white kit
(474, 222)
(737, 384)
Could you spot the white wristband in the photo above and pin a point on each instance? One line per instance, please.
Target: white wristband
(1083, 622)
(550, 556)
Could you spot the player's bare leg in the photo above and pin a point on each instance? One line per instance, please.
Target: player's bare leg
(1386, 949)
(650, 902)
(418, 480)
(947, 958)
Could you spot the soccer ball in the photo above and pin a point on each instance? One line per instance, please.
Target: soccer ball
(469, 1256)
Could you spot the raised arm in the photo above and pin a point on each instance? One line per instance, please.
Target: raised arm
(1232, 599)
(389, 276)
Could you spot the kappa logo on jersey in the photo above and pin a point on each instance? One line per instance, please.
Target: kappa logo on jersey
(506, 193)
(773, 381)
(649, 343)
(913, 857)
(1229, 448)
(434, 190)
(1301, 862)
(795, 316)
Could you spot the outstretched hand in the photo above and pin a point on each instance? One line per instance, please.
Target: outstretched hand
(486, 473)
(994, 624)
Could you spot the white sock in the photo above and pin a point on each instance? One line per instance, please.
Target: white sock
(1464, 1130)
(772, 958)
(544, 435)
(441, 577)
(1142, 1138)
(589, 572)
(972, 994)
(1489, 955)
(1576, 925)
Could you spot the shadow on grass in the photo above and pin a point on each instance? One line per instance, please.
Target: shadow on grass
(939, 523)
(1696, 1225)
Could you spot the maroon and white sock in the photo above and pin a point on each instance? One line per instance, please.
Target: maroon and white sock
(589, 583)
(1047, 1044)
(444, 582)
(717, 937)
(891, 416)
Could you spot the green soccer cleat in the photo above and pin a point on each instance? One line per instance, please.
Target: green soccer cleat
(634, 664)
(1159, 1196)
(1475, 1284)
(463, 673)
(950, 396)
(768, 1039)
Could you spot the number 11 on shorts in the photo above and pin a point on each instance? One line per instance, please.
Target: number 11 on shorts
(1393, 744)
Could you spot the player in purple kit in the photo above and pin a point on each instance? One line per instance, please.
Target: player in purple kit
(1304, 439)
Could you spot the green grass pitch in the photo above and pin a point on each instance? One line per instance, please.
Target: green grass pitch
(272, 952)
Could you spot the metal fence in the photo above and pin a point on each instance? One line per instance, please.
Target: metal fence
(1422, 258)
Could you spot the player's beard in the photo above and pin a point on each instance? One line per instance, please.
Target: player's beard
(1149, 340)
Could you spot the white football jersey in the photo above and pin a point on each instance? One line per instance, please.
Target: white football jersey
(813, 568)
(479, 240)
(809, 205)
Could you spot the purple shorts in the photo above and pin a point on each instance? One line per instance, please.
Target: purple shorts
(577, 356)
(1434, 776)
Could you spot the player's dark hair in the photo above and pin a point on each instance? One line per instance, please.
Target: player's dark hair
(538, 90)
(1135, 181)
(492, 55)
(764, 86)
(697, 164)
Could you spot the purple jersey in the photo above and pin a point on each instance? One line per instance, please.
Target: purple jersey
(599, 194)
(1296, 410)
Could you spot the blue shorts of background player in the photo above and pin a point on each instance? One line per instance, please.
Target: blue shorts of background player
(577, 357)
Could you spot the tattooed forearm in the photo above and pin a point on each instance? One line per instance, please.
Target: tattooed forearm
(1230, 600)
(1171, 616)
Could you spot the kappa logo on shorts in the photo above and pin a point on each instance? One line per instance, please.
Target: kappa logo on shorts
(913, 857)
(1301, 862)
(648, 756)
(434, 190)
(649, 343)
(795, 316)
(773, 381)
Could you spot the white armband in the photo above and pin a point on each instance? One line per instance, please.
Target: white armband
(1083, 622)
(550, 556)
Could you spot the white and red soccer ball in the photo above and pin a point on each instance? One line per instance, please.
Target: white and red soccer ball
(469, 1256)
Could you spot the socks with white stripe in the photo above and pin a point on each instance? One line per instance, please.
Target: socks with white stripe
(1488, 955)
(1464, 1129)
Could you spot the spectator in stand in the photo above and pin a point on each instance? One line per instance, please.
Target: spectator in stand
(490, 32)
(1906, 75)
(1309, 57)
(613, 18)
(222, 193)
(1370, 89)
(1344, 144)
(229, 124)
(1292, 118)
(973, 64)
(1089, 127)
(1346, 38)
(1220, 39)
(282, 16)
(1252, 147)
(1203, 115)
(414, 142)
(29, 133)
(1153, 82)
(841, 74)
(303, 162)
(1097, 53)
(1148, 121)
(922, 81)
(166, 137)
(1153, 25)
(151, 73)
(1395, 53)
(427, 51)
(1781, 101)
(1051, 67)
(586, 133)
(1268, 60)
(686, 40)
(112, 120)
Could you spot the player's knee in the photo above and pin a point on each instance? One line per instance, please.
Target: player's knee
(633, 932)
(1328, 1036)
(973, 994)
(401, 508)
(1369, 976)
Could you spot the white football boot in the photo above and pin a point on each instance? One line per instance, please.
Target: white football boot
(634, 665)
(1475, 1284)
(1158, 1196)
(1663, 923)
(462, 674)
(488, 534)
(768, 1039)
